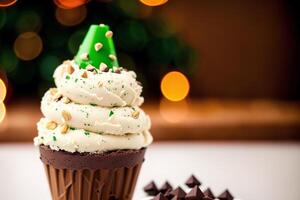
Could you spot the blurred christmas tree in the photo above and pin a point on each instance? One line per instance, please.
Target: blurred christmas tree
(37, 36)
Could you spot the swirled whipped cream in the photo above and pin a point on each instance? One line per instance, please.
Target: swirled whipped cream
(93, 110)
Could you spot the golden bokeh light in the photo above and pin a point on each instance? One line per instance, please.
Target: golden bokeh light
(71, 17)
(6, 3)
(2, 111)
(173, 112)
(69, 4)
(3, 90)
(154, 2)
(175, 86)
(28, 46)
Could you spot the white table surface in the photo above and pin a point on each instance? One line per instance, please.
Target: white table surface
(252, 171)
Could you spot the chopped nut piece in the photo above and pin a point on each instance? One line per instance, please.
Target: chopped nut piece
(57, 96)
(51, 125)
(102, 66)
(118, 71)
(66, 100)
(135, 114)
(84, 56)
(53, 91)
(98, 46)
(66, 115)
(64, 128)
(109, 34)
(100, 84)
(112, 57)
(90, 68)
(70, 69)
(84, 75)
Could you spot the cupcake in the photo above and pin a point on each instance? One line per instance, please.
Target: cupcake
(93, 135)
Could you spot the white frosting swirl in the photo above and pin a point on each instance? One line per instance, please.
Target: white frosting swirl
(116, 121)
(105, 89)
(79, 140)
(103, 113)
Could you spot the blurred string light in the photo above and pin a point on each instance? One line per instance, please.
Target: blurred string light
(28, 21)
(175, 86)
(6, 3)
(154, 2)
(173, 111)
(28, 46)
(71, 17)
(69, 4)
(3, 90)
(2, 97)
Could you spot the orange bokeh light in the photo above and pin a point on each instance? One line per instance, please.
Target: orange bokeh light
(70, 17)
(2, 91)
(2, 111)
(175, 86)
(154, 2)
(6, 3)
(69, 4)
(28, 46)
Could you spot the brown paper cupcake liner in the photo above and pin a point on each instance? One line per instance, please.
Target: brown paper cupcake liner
(110, 181)
(103, 184)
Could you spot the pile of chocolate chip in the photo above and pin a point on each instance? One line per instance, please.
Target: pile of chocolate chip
(166, 192)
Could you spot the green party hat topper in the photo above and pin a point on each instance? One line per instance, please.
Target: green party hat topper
(97, 48)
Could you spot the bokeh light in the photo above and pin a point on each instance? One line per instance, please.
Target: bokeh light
(75, 40)
(71, 17)
(2, 18)
(69, 4)
(8, 60)
(131, 35)
(6, 3)
(175, 86)
(3, 90)
(2, 111)
(28, 46)
(173, 112)
(48, 65)
(28, 21)
(154, 2)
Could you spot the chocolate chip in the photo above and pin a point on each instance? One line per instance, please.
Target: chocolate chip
(168, 194)
(151, 189)
(178, 192)
(160, 196)
(177, 198)
(208, 193)
(194, 194)
(207, 198)
(166, 186)
(225, 196)
(192, 181)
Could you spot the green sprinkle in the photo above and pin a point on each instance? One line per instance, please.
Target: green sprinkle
(54, 138)
(71, 128)
(92, 104)
(76, 80)
(86, 133)
(68, 77)
(42, 137)
(111, 113)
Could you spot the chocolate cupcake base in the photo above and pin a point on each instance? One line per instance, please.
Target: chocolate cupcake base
(107, 176)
